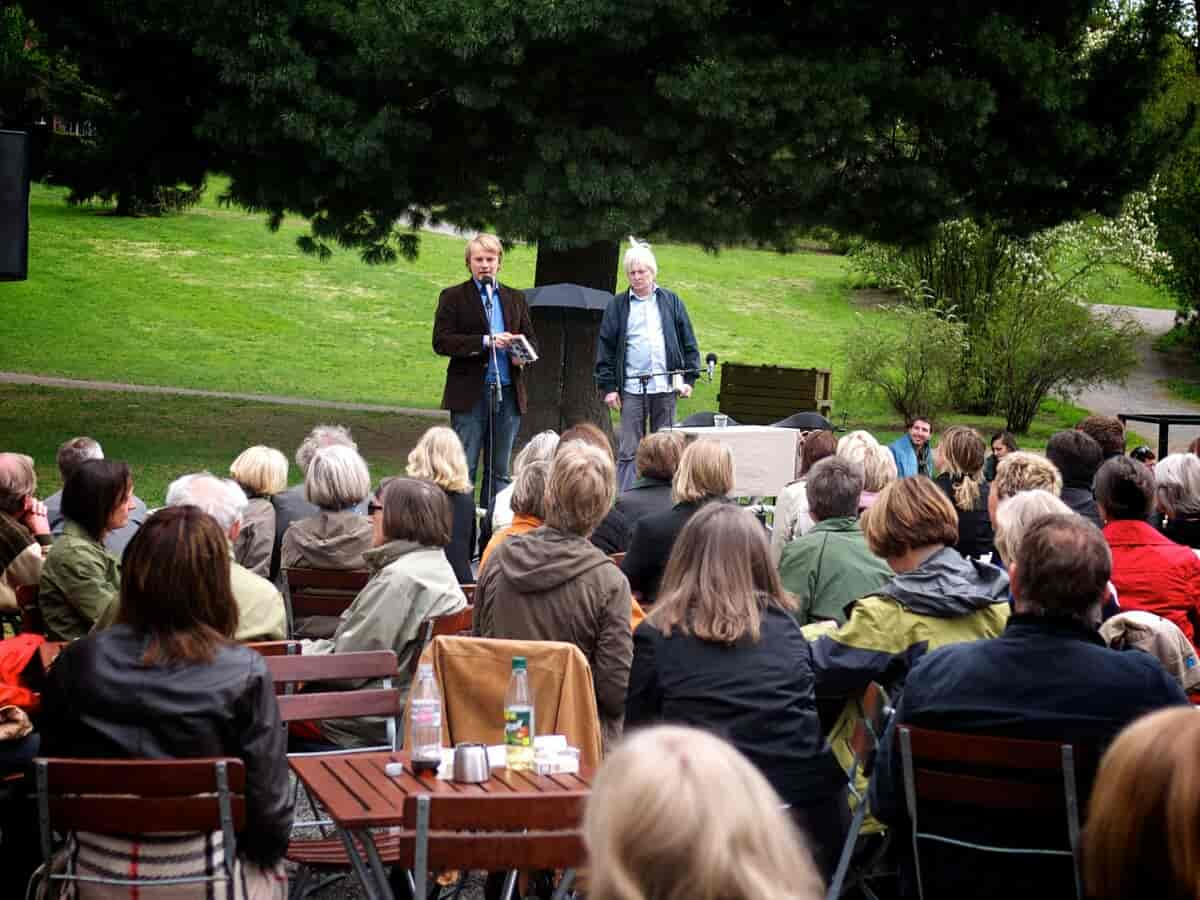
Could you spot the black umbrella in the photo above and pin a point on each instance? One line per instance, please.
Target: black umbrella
(568, 296)
(805, 421)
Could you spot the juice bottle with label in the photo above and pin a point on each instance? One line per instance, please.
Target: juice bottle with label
(518, 718)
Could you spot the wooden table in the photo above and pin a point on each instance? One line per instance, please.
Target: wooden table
(359, 795)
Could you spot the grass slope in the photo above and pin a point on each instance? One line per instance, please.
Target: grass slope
(212, 299)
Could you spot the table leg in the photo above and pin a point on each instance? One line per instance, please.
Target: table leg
(365, 876)
(377, 864)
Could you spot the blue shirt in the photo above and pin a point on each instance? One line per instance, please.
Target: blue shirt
(645, 347)
(496, 319)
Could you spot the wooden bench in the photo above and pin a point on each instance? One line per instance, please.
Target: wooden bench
(320, 592)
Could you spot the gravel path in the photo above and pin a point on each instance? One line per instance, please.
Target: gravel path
(1143, 392)
(86, 385)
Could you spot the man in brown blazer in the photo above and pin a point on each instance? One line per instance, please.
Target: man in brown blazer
(473, 318)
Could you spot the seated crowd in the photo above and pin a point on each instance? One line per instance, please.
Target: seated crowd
(1049, 597)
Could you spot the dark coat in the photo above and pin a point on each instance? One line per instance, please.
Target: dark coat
(290, 506)
(462, 536)
(1082, 501)
(644, 497)
(650, 548)
(1043, 679)
(974, 525)
(612, 534)
(102, 702)
(1183, 530)
(458, 331)
(679, 341)
(758, 696)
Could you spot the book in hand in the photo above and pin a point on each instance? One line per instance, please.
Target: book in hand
(521, 349)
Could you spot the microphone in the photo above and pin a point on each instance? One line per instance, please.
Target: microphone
(711, 359)
(487, 282)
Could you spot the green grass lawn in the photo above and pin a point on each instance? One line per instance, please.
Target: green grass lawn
(212, 299)
(1119, 287)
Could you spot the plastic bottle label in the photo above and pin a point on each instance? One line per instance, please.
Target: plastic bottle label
(426, 714)
(518, 726)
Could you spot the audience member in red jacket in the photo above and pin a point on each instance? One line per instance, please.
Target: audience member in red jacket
(1149, 571)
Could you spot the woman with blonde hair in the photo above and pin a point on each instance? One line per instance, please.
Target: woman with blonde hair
(1143, 833)
(439, 457)
(959, 458)
(705, 473)
(677, 814)
(336, 481)
(262, 473)
(721, 651)
(540, 448)
(879, 465)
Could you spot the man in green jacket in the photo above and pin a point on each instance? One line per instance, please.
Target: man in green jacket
(831, 566)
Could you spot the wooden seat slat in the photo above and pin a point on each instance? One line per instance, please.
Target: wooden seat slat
(145, 777)
(114, 814)
(326, 666)
(335, 704)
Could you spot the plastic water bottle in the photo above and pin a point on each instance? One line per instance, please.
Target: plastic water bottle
(518, 718)
(425, 722)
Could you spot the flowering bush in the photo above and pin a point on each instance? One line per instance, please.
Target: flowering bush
(994, 283)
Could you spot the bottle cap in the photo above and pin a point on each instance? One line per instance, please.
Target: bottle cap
(518, 663)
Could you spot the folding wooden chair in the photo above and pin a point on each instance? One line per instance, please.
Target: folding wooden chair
(320, 592)
(991, 775)
(868, 732)
(494, 833)
(178, 795)
(457, 623)
(328, 851)
(274, 648)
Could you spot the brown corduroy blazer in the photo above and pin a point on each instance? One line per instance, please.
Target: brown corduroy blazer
(458, 330)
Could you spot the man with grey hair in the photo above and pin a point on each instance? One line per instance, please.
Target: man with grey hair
(830, 566)
(24, 531)
(291, 505)
(261, 613)
(645, 332)
(71, 454)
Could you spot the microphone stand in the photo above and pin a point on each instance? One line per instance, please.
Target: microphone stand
(495, 399)
(644, 379)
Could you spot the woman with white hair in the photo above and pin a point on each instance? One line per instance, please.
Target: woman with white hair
(877, 461)
(1177, 497)
(645, 332)
(439, 457)
(540, 448)
(336, 481)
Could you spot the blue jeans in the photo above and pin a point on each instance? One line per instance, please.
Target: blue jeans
(471, 428)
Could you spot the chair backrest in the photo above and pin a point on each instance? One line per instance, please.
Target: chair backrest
(150, 796)
(469, 592)
(339, 704)
(473, 675)
(275, 648)
(493, 832)
(617, 558)
(456, 623)
(991, 775)
(321, 592)
(31, 613)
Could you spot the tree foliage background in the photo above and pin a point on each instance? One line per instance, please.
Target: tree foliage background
(572, 122)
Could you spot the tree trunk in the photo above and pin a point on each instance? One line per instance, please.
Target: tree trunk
(561, 390)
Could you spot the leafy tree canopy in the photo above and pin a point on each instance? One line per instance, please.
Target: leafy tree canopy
(572, 121)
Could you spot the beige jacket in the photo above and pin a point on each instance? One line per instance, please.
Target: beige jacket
(328, 540)
(409, 584)
(261, 612)
(26, 569)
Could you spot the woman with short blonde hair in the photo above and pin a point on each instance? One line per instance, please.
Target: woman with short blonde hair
(910, 513)
(705, 473)
(439, 457)
(541, 447)
(677, 814)
(262, 473)
(1143, 833)
(582, 484)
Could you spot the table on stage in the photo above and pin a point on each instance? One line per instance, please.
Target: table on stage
(764, 457)
(359, 795)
